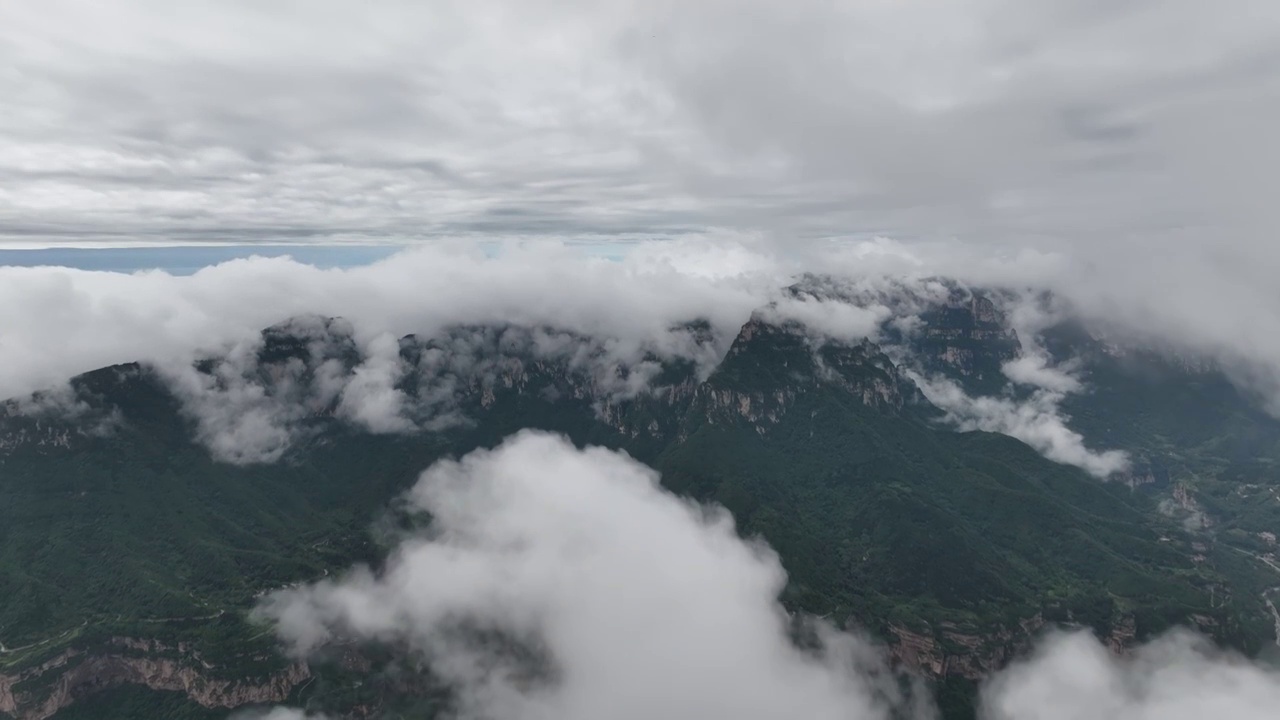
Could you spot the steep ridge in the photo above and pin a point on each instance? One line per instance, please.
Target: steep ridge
(1201, 447)
(953, 548)
(967, 339)
(882, 516)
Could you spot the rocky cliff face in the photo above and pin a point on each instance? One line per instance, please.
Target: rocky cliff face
(770, 365)
(483, 371)
(475, 371)
(78, 673)
(948, 651)
(966, 339)
(1143, 474)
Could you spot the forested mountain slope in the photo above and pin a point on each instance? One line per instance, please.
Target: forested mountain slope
(134, 540)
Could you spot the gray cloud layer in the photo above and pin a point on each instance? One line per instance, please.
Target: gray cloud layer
(1058, 123)
(641, 605)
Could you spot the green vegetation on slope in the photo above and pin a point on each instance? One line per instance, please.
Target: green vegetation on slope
(881, 517)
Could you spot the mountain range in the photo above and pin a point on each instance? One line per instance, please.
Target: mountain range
(952, 487)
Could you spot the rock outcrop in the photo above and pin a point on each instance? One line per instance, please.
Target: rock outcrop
(79, 673)
(968, 338)
(770, 365)
(950, 652)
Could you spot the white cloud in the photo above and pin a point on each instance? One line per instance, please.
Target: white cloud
(1177, 677)
(370, 397)
(248, 409)
(1036, 370)
(62, 403)
(58, 322)
(641, 604)
(1036, 421)
(278, 713)
(55, 322)
(1029, 314)
(835, 319)
(237, 417)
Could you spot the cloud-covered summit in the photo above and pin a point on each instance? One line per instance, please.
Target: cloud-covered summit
(1118, 154)
(611, 317)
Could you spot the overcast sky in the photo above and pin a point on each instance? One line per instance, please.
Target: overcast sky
(1119, 152)
(1053, 123)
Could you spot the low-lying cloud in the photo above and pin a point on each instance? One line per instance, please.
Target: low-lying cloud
(253, 403)
(633, 603)
(57, 322)
(60, 403)
(371, 398)
(1036, 420)
(279, 713)
(613, 317)
(235, 415)
(1036, 370)
(639, 604)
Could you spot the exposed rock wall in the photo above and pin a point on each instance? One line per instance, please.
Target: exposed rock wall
(81, 673)
(950, 652)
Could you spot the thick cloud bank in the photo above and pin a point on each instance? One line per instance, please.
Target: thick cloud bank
(56, 322)
(628, 602)
(637, 604)
(606, 313)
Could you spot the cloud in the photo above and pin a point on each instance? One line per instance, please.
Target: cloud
(279, 713)
(610, 316)
(1035, 370)
(1036, 421)
(607, 318)
(62, 404)
(830, 318)
(239, 417)
(1177, 677)
(100, 318)
(371, 397)
(635, 603)
(253, 401)
(1206, 301)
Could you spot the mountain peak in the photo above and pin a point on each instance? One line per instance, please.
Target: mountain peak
(771, 365)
